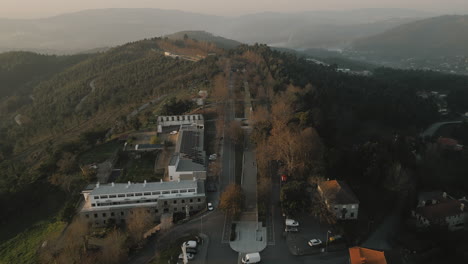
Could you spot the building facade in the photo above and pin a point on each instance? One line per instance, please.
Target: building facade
(164, 121)
(340, 199)
(117, 201)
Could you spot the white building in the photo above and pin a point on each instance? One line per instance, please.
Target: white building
(165, 121)
(116, 201)
(339, 198)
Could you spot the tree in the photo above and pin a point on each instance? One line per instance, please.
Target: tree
(113, 248)
(139, 221)
(232, 200)
(294, 198)
(154, 140)
(136, 124)
(236, 132)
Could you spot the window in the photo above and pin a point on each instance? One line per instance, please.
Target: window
(199, 200)
(130, 195)
(112, 196)
(122, 213)
(95, 216)
(146, 193)
(138, 194)
(175, 191)
(87, 215)
(191, 200)
(112, 214)
(183, 191)
(96, 197)
(175, 209)
(191, 207)
(104, 196)
(104, 214)
(121, 195)
(171, 178)
(165, 202)
(156, 210)
(352, 214)
(191, 190)
(165, 192)
(156, 193)
(175, 201)
(93, 205)
(183, 201)
(336, 208)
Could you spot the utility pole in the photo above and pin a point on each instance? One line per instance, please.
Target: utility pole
(326, 247)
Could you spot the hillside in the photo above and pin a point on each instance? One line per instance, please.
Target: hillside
(206, 37)
(433, 37)
(90, 29)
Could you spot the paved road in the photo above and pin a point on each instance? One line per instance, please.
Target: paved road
(249, 177)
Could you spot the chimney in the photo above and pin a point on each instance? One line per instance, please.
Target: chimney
(97, 185)
(444, 194)
(128, 184)
(161, 181)
(194, 178)
(144, 183)
(462, 207)
(113, 184)
(178, 180)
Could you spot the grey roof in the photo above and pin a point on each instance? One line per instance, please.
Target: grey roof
(173, 160)
(139, 187)
(189, 165)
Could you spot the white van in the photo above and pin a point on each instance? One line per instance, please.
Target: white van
(190, 244)
(251, 258)
(291, 222)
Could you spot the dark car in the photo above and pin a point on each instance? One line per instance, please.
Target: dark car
(191, 250)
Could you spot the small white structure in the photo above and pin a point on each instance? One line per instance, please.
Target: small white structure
(339, 198)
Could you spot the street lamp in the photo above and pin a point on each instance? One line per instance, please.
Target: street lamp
(326, 243)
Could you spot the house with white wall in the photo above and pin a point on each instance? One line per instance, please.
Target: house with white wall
(339, 198)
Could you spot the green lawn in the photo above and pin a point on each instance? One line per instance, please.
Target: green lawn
(100, 153)
(23, 247)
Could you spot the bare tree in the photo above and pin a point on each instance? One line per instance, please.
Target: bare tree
(113, 248)
(138, 223)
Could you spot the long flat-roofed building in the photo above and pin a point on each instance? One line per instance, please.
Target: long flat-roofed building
(115, 201)
(188, 162)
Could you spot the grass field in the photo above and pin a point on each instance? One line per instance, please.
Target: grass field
(100, 153)
(23, 248)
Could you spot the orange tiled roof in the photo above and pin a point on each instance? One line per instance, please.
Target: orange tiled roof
(359, 255)
(338, 192)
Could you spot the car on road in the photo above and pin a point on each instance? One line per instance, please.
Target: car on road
(291, 222)
(190, 244)
(291, 229)
(174, 132)
(191, 250)
(314, 242)
(251, 258)
(213, 157)
(210, 207)
(190, 256)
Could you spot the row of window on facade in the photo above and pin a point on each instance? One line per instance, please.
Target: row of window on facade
(180, 118)
(96, 197)
(156, 211)
(344, 206)
(175, 201)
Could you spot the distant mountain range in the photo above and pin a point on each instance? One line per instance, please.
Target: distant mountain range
(91, 29)
(432, 37)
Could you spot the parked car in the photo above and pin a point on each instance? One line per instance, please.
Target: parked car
(334, 238)
(291, 229)
(251, 258)
(315, 242)
(190, 256)
(291, 222)
(174, 132)
(213, 157)
(191, 250)
(210, 207)
(190, 244)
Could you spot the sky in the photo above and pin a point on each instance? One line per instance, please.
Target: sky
(45, 8)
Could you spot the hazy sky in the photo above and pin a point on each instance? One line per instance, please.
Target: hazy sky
(44, 8)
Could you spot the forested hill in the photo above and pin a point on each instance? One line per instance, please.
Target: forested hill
(207, 37)
(433, 37)
(21, 71)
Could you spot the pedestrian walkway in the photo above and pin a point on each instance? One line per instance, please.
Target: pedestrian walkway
(249, 237)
